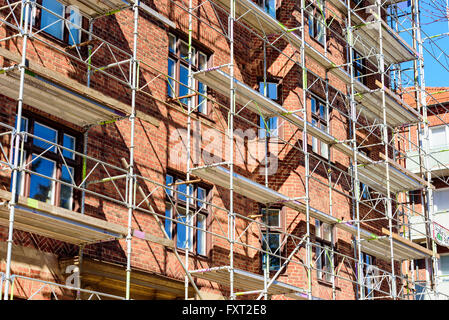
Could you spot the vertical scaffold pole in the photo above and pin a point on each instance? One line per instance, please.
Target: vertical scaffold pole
(420, 85)
(189, 129)
(131, 177)
(386, 149)
(231, 218)
(15, 143)
(306, 154)
(355, 167)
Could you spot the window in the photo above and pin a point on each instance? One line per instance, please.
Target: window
(175, 208)
(324, 255)
(359, 67)
(364, 189)
(271, 238)
(50, 21)
(268, 126)
(178, 68)
(441, 200)
(370, 273)
(269, 6)
(319, 120)
(439, 136)
(317, 22)
(46, 161)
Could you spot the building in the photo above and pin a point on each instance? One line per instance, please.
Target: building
(222, 149)
(430, 159)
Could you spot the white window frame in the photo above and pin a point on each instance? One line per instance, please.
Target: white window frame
(439, 190)
(431, 135)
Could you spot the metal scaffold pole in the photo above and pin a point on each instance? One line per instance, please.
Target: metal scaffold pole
(386, 147)
(231, 218)
(356, 182)
(420, 87)
(131, 177)
(306, 153)
(16, 140)
(189, 129)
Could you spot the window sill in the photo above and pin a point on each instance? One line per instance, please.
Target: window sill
(174, 102)
(325, 283)
(191, 254)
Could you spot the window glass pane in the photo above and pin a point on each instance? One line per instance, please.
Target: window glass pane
(46, 133)
(201, 234)
(68, 142)
(320, 29)
(183, 87)
(201, 194)
(202, 63)
(270, 7)
(20, 175)
(66, 191)
(438, 136)
(23, 125)
(182, 188)
(171, 82)
(272, 91)
(273, 126)
(48, 19)
(311, 28)
(202, 101)
(41, 188)
(181, 232)
(74, 30)
(184, 52)
(172, 43)
(313, 105)
(441, 200)
(168, 223)
(444, 265)
(273, 216)
(273, 248)
(169, 180)
(323, 111)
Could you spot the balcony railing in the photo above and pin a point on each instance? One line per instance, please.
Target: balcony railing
(438, 161)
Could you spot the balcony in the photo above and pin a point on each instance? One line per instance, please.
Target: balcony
(438, 161)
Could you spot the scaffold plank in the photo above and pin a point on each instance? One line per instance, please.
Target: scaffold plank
(259, 104)
(81, 105)
(97, 8)
(247, 281)
(58, 223)
(374, 175)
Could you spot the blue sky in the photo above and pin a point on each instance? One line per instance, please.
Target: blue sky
(437, 74)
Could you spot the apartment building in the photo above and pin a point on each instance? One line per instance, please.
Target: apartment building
(207, 150)
(430, 214)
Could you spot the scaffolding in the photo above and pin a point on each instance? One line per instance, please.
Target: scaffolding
(375, 116)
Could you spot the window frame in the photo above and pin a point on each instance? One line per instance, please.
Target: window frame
(272, 230)
(434, 198)
(36, 20)
(369, 293)
(31, 149)
(262, 132)
(262, 5)
(318, 121)
(179, 62)
(323, 244)
(446, 127)
(359, 67)
(172, 200)
(314, 19)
